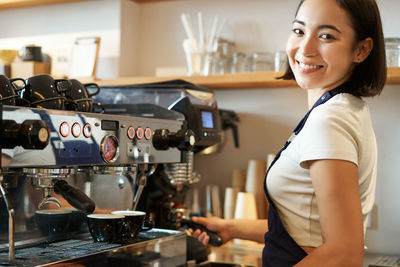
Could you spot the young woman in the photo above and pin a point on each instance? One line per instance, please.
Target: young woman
(321, 185)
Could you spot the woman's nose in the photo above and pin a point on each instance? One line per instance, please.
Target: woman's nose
(308, 47)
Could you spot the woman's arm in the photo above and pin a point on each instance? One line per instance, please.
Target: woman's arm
(228, 229)
(339, 206)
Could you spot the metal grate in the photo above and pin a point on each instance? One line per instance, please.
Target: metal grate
(72, 248)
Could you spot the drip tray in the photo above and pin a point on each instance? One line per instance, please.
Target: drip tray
(61, 251)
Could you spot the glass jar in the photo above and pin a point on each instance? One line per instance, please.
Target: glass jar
(262, 61)
(239, 62)
(224, 55)
(280, 61)
(392, 46)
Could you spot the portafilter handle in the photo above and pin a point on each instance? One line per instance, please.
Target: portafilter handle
(74, 196)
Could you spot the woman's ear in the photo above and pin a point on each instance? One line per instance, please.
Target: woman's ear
(363, 49)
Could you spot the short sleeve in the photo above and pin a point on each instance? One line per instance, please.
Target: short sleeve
(329, 133)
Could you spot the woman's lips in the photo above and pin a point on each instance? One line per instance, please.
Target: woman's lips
(308, 68)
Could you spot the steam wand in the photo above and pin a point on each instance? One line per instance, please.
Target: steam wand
(47, 198)
(141, 184)
(11, 213)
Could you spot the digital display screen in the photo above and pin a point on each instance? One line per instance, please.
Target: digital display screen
(207, 119)
(109, 125)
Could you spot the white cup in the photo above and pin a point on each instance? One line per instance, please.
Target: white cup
(254, 184)
(245, 209)
(230, 202)
(245, 206)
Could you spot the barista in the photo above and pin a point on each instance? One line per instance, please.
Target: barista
(321, 185)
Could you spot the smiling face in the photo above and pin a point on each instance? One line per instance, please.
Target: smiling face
(321, 48)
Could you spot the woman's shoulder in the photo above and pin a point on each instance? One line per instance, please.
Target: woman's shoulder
(342, 113)
(344, 107)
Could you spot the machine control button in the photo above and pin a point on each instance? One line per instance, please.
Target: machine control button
(131, 132)
(139, 133)
(148, 133)
(87, 130)
(76, 129)
(64, 129)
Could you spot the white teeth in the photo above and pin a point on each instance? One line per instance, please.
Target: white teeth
(306, 67)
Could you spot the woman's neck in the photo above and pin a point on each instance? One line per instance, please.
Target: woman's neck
(313, 95)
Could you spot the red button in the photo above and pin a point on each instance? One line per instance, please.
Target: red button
(147, 133)
(87, 130)
(131, 132)
(64, 129)
(76, 129)
(139, 133)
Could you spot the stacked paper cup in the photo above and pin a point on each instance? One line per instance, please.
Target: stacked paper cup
(239, 179)
(238, 185)
(245, 206)
(254, 184)
(245, 209)
(230, 202)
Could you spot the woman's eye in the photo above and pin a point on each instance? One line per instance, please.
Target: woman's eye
(327, 36)
(297, 31)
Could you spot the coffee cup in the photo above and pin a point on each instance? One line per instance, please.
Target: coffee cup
(53, 221)
(133, 222)
(106, 227)
(79, 96)
(43, 91)
(8, 90)
(77, 221)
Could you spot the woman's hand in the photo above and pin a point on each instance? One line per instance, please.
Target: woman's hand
(214, 224)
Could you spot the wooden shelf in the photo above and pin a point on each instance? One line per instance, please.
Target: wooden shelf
(9, 4)
(227, 81)
(230, 81)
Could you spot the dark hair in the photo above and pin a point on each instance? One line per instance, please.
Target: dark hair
(369, 76)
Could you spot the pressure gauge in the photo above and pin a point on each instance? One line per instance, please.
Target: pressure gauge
(109, 148)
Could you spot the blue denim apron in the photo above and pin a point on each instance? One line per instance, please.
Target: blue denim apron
(280, 249)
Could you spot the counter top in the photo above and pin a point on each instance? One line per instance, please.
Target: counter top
(247, 252)
(250, 254)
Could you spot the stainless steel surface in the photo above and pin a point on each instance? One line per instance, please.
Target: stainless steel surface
(156, 247)
(87, 151)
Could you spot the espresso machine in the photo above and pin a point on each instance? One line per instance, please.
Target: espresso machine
(165, 193)
(58, 149)
(167, 187)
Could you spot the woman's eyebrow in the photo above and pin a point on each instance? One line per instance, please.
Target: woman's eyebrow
(328, 26)
(322, 26)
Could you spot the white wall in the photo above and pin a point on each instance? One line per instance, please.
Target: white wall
(267, 115)
(55, 28)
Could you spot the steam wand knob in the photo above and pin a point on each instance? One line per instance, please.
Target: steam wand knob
(30, 134)
(184, 140)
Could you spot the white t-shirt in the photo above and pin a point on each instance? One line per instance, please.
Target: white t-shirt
(339, 129)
